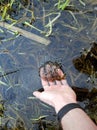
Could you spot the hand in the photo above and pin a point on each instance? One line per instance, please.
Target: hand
(56, 93)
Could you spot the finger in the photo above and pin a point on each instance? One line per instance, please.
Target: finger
(52, 83)
(42, 72)
(45, 83)
(37, 94)
(45, 97)
(64, 82)
(58, 82)
(44, 77)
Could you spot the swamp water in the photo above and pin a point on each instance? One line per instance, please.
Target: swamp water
(72, 33)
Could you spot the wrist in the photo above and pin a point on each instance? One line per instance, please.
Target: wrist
(61, 104)
(65, 109)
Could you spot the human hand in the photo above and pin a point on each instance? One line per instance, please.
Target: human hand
(56, 93)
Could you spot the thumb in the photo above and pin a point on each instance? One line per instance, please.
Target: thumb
(43, 96)
(37, 94)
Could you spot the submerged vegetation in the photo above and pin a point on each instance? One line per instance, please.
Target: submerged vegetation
(87, 62)
(23, 12)
(72, 23)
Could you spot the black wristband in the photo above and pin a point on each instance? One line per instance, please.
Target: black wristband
(64, 110)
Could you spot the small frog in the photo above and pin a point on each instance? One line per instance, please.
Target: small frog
(50, 72)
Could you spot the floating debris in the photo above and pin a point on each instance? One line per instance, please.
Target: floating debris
(25, 33)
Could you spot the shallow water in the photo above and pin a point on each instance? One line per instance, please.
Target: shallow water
(71, 32)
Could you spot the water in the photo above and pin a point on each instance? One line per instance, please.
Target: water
(71, 32)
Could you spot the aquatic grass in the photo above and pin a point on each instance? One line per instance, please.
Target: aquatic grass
(94, 26)
(25, 33)
(62, 4)
(4, 12)
(5, 80)
(2, 73)
(74, 17)
(6, 121)
(69, 26)
(50, 24)
(5, 9)
(44, 123)
(50, 18)
(82, 2)
(1, 30)
(39, 118)
(28, 24)
(3, 83)
(91, 2)
(11, 3)
(16, 35)
(48, 27)
(8, 7)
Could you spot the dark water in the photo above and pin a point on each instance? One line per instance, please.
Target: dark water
(71, 32)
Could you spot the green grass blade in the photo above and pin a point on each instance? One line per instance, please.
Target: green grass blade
(63, 5)
(3, 83)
